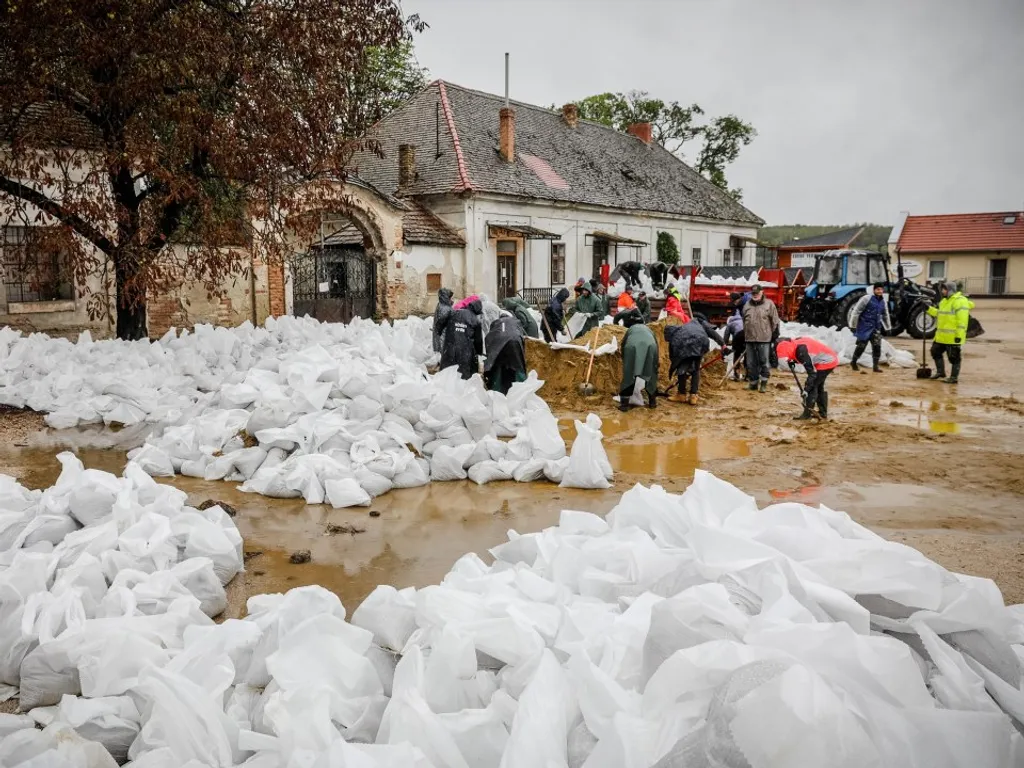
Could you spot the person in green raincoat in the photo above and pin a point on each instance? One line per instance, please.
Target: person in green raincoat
(592, 305)
(521, 310)
(639, 359)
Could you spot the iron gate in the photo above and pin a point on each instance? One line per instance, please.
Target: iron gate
(334, 284)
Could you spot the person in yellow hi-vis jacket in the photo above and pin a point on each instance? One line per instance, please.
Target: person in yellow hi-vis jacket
(953, 315)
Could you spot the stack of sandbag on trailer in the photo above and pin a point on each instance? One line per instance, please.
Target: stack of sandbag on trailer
(680, 630)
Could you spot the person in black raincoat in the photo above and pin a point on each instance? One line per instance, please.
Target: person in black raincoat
(521, 310)
(643, 303)
(639, 359)
(506, 354)
(463, 339)
(442, 314)
(631, 271)
(687, 345)
(554, 314)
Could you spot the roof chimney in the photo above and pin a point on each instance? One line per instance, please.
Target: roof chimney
(571, 115)
(406, 164)
(641, 130)
(508, 134)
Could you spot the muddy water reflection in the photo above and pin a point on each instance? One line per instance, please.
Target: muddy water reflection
(418, 533)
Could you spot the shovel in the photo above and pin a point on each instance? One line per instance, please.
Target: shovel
(923, 371)
(732, 368)
(803, 395)
(586, 389)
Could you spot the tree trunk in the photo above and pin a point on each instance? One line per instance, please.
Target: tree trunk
(131, 301)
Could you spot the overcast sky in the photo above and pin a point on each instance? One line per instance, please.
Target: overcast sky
(863, 108)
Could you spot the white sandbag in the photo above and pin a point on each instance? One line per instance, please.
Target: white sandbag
(346, 493)
(491, 471)
(388, 613)
(447, 462)
(374, 484)
(93, 496)
(417, 473)
(547, 710)
(198, 576)
(555, 470)
(153, 461)
(210, 533)
(179, 716)
(545, 438)
(529, 471)
(47, 673)
(112, 721)
(47, 528)
(56, 746)
(588, 462)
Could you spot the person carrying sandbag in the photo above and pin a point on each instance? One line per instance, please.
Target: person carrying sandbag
(591, 305)
(554, 314)
(521, 310)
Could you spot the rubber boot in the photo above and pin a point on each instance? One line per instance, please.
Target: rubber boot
(874, 365)
(694, 400)
(940, 372)
(624, 407)
(677, 397)
(854, 367)
(752, 386)
(954, 375)
(805, 416)
(652, 401)
(763, 386)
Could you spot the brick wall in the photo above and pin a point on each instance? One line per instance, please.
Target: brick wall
(275, 279)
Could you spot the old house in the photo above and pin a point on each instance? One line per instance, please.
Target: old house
(539, 198)
(983, 251)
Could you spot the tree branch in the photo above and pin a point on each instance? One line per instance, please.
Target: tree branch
(55, 210)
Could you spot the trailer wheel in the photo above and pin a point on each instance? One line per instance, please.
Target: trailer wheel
(841, 315)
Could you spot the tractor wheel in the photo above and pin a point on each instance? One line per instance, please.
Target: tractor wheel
(921, 325)
(843, 310)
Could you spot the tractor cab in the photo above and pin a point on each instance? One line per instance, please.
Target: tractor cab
(840, 279)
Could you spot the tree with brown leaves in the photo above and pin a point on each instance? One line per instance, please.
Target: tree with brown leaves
(130, 126)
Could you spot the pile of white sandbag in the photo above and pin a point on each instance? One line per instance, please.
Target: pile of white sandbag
(166, 381)
(751, 279)
(341, 426)
(843, 341)
(691, 630)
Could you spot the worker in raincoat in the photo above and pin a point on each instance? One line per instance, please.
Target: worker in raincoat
(870, 318)
(819, 360)
(626, 300)
(953, 315)
(442, 313)
(674, 305)
(463, 340)
(687, 345)
(644, 305)
(506, 354)
(521, 310)
(601, 291)
(554, 314)
(591, 305)
(639, 359)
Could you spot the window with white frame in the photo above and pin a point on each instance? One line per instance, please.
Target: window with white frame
(936, 270)
(557, 264)
(732, 257)
(695, 256)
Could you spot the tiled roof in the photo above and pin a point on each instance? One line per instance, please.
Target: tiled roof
(419, 226)
(839, 239)
(455, 131)
(963, 232)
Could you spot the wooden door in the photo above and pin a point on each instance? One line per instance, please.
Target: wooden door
(508, 251)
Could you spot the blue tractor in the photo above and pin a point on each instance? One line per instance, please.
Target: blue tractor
(842, 277)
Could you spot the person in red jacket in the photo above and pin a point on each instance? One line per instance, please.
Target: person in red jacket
(674, 305)
(819, 360)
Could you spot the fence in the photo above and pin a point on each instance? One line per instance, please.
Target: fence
(538, 297)
(987, 286)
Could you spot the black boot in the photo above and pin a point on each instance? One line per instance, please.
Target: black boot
(805, 416)
(858, 350)
(954, 376)
(940, 371)
(763, 386)
(853, 365)
(652, 401)
(624, 407)
(874, 365)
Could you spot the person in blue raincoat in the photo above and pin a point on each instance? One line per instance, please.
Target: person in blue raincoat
(869, 319)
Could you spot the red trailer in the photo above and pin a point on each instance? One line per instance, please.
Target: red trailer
(712, 299)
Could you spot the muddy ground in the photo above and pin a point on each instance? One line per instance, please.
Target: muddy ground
(940, 468)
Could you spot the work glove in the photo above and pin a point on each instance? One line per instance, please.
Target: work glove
(726, 351)
(792, 364)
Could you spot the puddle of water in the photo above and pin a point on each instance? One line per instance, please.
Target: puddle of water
(847, 496)
(419, 534)
(926, 415)
(674, 456)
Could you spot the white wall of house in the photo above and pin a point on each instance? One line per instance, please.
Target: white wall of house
(573, 224)
(412, 269)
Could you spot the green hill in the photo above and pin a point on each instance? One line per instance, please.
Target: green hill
(874, 237)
